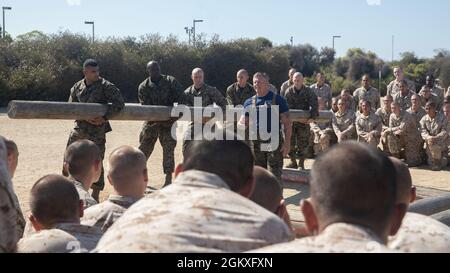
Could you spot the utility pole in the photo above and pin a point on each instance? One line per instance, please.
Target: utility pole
(4, 28)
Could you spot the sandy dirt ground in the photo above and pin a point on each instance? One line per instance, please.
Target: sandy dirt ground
(42, 142)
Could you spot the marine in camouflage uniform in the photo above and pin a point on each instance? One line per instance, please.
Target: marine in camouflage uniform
(368, 127)
(237, 94)
(385, 113)
(417, 114)
(209, 96)
(99, 91)
(367, 93)
(434, 133)
(323, 91)
(402, 134)
(436, 90)
(8, 213)
(161, 90)
(343, 122)
(289, 82)
(404, 99)
(394, 87)
(301, 98)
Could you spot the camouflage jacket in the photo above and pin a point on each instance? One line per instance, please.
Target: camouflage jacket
(372, 95)
(85, 196)
(421, 234)
(393, 87)
(102, 91)
(209, 95)
(406, 124)
(368, 124)
(237, 96)
(336, 238)
(63, 238)
(197, 213)
(436, 127)
(166, 92)
(384, 116)
(103, 215)
(417, 115)
(303, 99)
(344, 122)
(323, 92)
(404, 100)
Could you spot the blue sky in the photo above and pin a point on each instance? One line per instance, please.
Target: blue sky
(418, 25)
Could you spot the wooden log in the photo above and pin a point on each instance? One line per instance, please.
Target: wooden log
(295, 176)
(81, 111)
(443, 217)
(432, 205)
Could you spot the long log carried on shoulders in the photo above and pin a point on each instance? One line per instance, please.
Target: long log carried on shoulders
(79, 111)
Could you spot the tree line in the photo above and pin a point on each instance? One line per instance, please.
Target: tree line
(37, 66)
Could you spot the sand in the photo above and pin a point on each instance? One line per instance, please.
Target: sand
(42, 142)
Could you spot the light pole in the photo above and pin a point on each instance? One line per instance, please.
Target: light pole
(292, 40)
(334, 37)
(4, 28)
(189, 33)
(93, 29)
(193, 30)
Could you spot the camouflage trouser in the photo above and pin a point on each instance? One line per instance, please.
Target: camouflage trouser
(372, 141)
(350, 135)
(147, 139)
(272, 161)
(412, 148)
(437, 152)
(385, 145)
(300, 140)
(322, 142)
(100, 140)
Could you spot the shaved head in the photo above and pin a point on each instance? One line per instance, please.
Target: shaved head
(267, 193)
(154, 69)
(54, 200)
(127, 166)
(80, 156)
(219, 157)
(197, 71)
(353, 183)
(242, 72)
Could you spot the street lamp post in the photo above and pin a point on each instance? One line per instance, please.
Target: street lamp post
(334, 37)
(4, 28)
(193, 30)
(93, 29)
